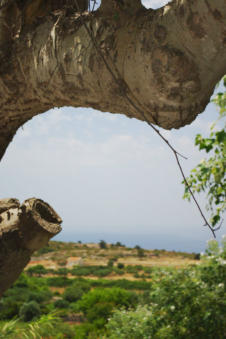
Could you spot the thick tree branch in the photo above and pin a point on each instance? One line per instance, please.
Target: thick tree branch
(120, 7)
(23, 230)
(171, 60)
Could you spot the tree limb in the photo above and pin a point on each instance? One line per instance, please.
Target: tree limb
(170, 58)
(23, 229)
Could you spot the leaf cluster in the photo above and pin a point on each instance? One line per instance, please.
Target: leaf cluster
(209, 175)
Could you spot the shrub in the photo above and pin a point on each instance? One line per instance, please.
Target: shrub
(85, 331)
(9, 308)
(44, 250)
(62, 271)
(119, 244)
(120, 265)
(72, 294)
(24, 290)
(98, 304)
(131, 269)
(130, 324)
(39, 296)
(76, 290)
(29, 311)
(59, 281)
(82, 271)
(37, 270)
(102, 244)
(103, 272)
(61, 303)
(182, 304)
(110, 263)
(140, 253)
(122, 283)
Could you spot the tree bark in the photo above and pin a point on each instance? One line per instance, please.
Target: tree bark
(23, 229)
(170, 58)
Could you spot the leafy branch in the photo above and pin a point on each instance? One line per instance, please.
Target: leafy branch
(209, 175)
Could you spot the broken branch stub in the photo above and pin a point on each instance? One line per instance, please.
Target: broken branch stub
(23, 229)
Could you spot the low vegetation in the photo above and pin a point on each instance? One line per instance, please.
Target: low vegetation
(186, 302)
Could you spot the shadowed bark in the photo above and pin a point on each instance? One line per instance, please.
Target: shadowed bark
(171, 59)
(23, 229)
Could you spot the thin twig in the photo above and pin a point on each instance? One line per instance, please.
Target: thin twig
(120, 80)
(94, 4)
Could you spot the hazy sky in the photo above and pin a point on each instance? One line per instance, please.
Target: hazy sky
(106, 173)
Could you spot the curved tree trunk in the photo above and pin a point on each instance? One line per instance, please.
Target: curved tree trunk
(23, 229)
(170, 58)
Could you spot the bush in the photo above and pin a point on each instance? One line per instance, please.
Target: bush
(103, 272)
(39, 296)
(131, 269)
(61, 303)
(188, 303)
(98, 304)
(120, 265)
(118, 271)
(59, 281)
(102, 244)
(25, 289)
(38, 270)
(99, 271)
(73, 294)
(76, 290)
(9, 308)
(140, 253)
(122, 283)
(110, 263)
(119, 244)
(62, 271)
(44, 250)
(130, 324)
(82, 271)
(85, 331)
(29, 311)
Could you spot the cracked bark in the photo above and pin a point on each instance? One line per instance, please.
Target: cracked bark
(171, 59)
(23, 229)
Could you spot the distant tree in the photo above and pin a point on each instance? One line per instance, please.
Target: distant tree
(119, 244)
(62, 271)
(38, 270)
(140, 253)
(102, 244)
(120, 265)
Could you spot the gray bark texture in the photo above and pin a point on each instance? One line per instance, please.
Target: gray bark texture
(23, 229)
(167, 61)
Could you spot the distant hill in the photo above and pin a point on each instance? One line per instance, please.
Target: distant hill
(106, 260)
